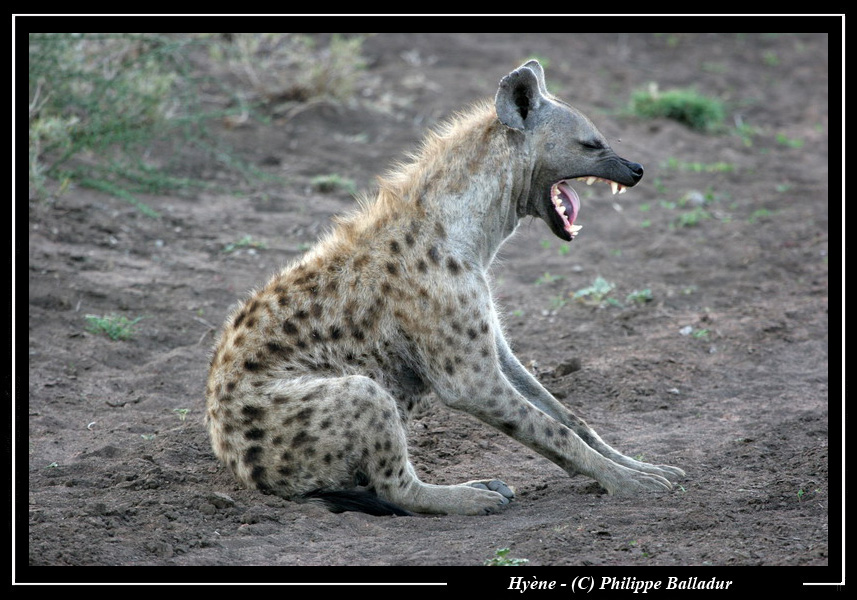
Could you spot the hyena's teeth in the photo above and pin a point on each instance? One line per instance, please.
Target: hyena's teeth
(576, 228)
(622, 189)
(591, 180)
(614, 186)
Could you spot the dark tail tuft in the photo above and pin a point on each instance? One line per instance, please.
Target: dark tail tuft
(356, 500)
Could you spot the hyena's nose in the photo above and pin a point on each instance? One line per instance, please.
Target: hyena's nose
(636, 171)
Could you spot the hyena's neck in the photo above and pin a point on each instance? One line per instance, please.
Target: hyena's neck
(464, 176)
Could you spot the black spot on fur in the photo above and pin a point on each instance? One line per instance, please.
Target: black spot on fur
(258, 475)
(252, 413)
(289, 328)
(254, 434)
(252, 365)
(278, 349)
(394, 247)
(304, 414)
(453, 266)
(302, 438)
(434, 255)
(448, 367)
(253, 454)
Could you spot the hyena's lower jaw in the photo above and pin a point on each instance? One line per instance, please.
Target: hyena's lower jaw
(566, 205)
(566, 202)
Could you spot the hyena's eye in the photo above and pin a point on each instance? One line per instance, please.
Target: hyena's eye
(592, 144)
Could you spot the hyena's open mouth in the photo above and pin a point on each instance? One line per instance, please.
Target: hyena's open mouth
(566, 202)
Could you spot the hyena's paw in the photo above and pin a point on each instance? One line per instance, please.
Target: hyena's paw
(670, 472)
(665, 471)
(628, 482)
(481, 497)
(495, 485)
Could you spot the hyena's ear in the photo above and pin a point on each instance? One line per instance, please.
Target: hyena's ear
(520, 95)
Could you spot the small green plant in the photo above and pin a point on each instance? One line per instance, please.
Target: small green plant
(699, 167)
(785, 140)
(691, 218)
(557, 302)
(760, 213)
(770, 58)
(246, 242)
(683, 105)
(327, 184)
(547, 278)
(640, 296)
(595, 293)
(181, 413)
(501, 559)
(116, 327)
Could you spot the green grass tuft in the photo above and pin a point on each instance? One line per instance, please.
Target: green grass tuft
(683, 105)
(116, 327)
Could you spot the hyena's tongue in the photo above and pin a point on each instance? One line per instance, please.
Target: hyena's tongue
(567, 205)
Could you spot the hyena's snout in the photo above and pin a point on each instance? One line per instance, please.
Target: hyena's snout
(623, 171)
(635, 170)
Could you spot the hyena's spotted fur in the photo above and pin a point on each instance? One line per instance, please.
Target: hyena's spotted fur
(315, 375)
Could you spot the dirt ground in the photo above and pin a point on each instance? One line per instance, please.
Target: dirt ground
(722, 370)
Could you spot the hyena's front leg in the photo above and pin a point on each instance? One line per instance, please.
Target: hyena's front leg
(493, 399)
(534, 392)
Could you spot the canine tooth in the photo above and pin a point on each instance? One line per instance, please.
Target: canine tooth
(614, 186)
(576, 228)
(622, 189)
(591, 180)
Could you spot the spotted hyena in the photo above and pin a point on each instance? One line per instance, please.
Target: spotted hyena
(315, 375)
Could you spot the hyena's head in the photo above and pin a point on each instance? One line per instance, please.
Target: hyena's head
(562, 145)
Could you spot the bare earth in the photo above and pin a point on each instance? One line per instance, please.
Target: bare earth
(723, 372)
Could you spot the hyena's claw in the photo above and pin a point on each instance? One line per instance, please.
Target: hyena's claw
(671, 472)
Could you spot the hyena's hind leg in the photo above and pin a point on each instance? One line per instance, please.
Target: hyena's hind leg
(353, 454)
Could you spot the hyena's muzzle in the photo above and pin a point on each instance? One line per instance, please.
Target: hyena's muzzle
(613, 170)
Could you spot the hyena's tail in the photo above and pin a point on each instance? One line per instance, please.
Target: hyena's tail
(356, 500)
